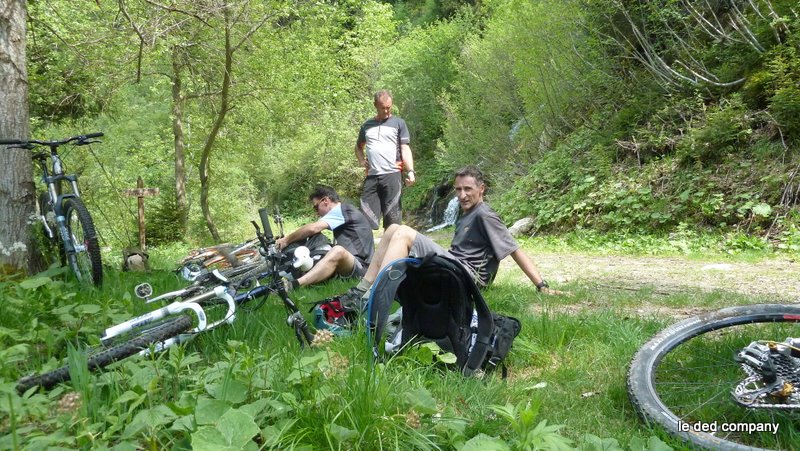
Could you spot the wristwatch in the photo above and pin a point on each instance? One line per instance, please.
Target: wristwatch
(542, 284)
(412, 172)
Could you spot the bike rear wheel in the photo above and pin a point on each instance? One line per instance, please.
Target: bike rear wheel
(103, 356)
(85, 260)
(682, 379)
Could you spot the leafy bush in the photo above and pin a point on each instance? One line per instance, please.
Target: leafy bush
(726, 131)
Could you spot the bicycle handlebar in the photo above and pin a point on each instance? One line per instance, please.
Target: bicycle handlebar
(27, 144)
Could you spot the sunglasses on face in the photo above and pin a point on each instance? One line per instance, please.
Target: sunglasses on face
(316, 206)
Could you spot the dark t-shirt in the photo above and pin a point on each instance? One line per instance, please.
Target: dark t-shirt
(382, 140)
(352, 231)
(481, 241)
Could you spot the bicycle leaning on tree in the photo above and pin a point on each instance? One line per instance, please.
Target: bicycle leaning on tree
(64, 216)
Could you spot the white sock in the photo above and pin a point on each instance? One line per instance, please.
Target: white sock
(364, 285)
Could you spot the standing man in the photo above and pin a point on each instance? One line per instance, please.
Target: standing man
(352, 233)
(383, 150)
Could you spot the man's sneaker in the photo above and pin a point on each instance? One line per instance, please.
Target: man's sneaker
(353, 299)
(289, 283)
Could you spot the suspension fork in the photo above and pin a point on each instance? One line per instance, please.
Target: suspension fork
(61, 221)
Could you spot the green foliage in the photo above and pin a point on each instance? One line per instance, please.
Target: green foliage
(163, 220)
(726, 131)
(64, 58)
(774, 85)
(562, 107)
(419, 68)
(530, 434)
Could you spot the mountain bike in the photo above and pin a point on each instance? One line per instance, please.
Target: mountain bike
(728, 379)
(197, 308)
(67, 222)
(204, 260)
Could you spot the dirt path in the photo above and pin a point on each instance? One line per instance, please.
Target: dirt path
(779, 278)
(774, 280)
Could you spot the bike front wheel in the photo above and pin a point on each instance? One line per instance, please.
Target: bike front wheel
(103, 356)
(85, 259)
(682, 380)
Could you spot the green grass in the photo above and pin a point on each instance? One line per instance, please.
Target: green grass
(250, 386)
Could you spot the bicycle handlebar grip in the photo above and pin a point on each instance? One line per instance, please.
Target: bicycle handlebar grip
(93, 135)
(263, 213)
(10, 141)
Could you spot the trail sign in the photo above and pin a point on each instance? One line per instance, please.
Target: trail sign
(141, 192)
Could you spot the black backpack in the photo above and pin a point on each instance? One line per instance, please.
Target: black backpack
(441, 303)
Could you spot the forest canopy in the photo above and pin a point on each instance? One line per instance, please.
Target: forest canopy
(655, 116)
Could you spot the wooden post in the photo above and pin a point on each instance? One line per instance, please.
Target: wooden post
(141, 192)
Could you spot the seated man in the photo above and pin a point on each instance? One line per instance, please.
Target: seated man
(352, 233)
(481, 240)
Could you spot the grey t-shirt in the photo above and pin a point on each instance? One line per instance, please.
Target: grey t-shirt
(481, 241)
(383, 139)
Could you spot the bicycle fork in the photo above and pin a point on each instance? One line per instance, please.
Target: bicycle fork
(69, 247)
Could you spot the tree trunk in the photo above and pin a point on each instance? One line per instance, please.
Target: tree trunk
(17, 199)
(180, 162)
(212, 136)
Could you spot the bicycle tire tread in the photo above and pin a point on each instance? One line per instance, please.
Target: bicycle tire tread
(90, 235)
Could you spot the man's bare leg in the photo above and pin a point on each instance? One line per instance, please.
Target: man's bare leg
(396, 243)
(336, 261)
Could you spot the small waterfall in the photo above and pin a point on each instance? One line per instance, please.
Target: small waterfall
(432, 218)
(450, 215)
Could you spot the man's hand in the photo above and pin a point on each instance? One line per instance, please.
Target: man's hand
(281, 243)
(552, 292)
(411, 178)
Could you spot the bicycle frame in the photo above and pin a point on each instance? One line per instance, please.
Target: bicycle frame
(193, 304)
(170, 325)
(294, 319)
(55, 195)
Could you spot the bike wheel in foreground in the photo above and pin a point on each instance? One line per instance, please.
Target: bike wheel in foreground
(85, 261)
(683, 379)
(104, 356)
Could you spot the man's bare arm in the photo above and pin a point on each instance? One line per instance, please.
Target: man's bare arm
(529, 268)
(362, 160)
(303, 232)
(408, 164)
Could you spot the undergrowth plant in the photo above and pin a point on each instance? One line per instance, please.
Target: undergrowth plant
(249, 386)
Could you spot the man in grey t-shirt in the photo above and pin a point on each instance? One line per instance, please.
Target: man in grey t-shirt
(383, 149)
(480, 242)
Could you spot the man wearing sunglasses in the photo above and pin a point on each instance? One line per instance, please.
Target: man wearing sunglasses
(352, 232)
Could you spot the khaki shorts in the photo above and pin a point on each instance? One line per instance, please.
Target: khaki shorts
(423, 246)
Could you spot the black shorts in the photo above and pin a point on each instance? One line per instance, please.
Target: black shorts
(381, 199)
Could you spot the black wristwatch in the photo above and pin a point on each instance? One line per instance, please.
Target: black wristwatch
(542, 284)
